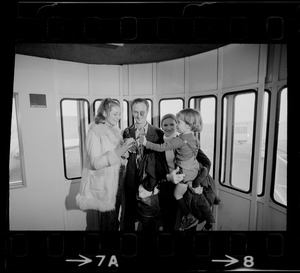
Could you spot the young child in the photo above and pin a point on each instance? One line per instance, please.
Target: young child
(186, 147)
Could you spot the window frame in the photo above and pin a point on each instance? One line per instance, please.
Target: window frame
(234, 94)
(80, 135)
(127, 113)
(159, 106)
(275, 146)
(215, 126)
(122, 104)
(266, 145)
(23, 182)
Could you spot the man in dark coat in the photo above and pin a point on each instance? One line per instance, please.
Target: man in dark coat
(141, 163)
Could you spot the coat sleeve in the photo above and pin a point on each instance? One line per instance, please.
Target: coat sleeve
(97, 157)
(203, 159)
(169, 145)
(204, 169)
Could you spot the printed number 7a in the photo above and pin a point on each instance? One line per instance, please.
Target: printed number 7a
(112, 261)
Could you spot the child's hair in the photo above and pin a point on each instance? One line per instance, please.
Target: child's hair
(192, 117)
(105, 106)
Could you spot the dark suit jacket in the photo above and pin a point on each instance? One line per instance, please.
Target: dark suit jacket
(156, 165)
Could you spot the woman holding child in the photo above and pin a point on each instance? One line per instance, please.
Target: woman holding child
(169, 124)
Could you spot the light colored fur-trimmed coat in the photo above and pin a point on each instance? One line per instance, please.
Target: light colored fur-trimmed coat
(100, 174)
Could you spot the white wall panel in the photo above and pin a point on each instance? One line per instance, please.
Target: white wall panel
(203, 71)
(33, 75)
(140, 79)
(259, 218)
(237, 219)
(170, 77)
(71, 78)
(74, 217)
(104, 80)
(125, 78)
(240, 65)
(277, 219)
(38, 206)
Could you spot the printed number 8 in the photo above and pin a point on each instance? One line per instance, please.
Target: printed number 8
(248, 261)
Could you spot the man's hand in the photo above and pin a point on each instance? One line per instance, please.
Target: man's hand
(175, 177)
(198, 190)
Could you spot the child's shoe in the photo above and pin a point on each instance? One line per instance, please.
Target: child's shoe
(217, 201)
(189, 221)
(207, 227)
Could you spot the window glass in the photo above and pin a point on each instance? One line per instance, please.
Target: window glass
(170, 106)
(263, 145)
(224, 130)
(207, 108)
(280, 186)
(15, 156)
(75, 120)
(125, 111)
(244, 106)
(150, 115)
(96, 106)
(125, 114)
(237, 140)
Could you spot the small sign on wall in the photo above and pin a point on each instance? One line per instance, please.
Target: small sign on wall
(37, 100)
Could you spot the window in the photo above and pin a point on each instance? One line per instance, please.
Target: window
(97, 103)
(125, 114)
(75, 120)
(150, 115)
(16, 157)
(280, 185)
(170, 106)
(237, 140)
(207, 107)
(262, 157)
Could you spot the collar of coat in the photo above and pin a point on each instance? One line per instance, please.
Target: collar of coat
(151, 132)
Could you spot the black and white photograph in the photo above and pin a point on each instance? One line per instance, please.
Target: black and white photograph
(149, 137)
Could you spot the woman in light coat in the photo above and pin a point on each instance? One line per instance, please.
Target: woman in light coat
(103, 169)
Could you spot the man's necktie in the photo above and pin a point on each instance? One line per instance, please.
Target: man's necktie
(140, 148)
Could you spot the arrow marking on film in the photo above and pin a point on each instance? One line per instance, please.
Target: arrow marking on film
(83, 262)
(229, 262)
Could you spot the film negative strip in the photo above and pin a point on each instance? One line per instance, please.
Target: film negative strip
(164, 22)
(161, 22)
(144, 252)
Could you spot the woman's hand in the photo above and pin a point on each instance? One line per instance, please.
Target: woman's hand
(175, 177)
(129, 142)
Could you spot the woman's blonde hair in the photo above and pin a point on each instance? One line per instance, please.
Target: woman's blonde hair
(105, 106)
(192, 117)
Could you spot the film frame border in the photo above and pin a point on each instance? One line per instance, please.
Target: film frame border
(28, 250)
